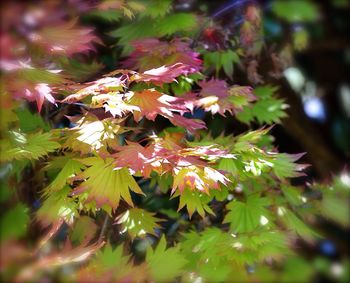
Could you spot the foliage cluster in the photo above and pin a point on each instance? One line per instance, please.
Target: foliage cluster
(220, 207)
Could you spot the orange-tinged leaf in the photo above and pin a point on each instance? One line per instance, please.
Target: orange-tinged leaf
(151, 103)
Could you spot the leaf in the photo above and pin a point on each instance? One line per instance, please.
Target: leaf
(111, 265)
(67, 38)
(197, 178)
(247, 216)
(194, 201)
(144, 27)
(165, 264)
(91, 134)
(176, 22)
(111, 15)
(189, 124)
(138, 222)
(292, 195)
(291, 221)
(295, 10)
(336, 208)
(83, 231)
(151, 53)
(210, 254)
(28, 122)
(267, 109)
(30, 146)
(157, 8)
(284, 166)
(163, 74)
(218, 98)
(14, 222)
(222, 60)
(58, 205)
(101, 86)
(105, 184)
(70, 168)
(151, 103)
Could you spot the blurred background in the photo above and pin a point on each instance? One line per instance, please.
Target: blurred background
(301, 47)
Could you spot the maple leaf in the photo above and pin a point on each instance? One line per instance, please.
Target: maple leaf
(189, 124)
(267, 109)
(101, 86)
(67, 38)
(57, 206)
(247, 216)
(293, 222)
(138, 222)
(214, 87)
(92, 134)
(68, 168)
(151, 53)
(31, 146)
(197, 178)
(111, 265)
(114, 104)
(136, 157)
(165, 264)
(163, 74)
(218, 98)
(163, 155)
(194, 201)
(152, 102)
(284, 166)
(104, 184)
(29, 90)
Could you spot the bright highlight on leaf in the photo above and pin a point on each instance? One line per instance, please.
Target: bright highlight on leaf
(138, 222)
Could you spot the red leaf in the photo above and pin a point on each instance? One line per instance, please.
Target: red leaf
(161, 75)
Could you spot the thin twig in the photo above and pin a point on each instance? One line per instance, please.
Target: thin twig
(103, 229)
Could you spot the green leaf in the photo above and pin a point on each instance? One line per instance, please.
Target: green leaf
(83, 231)
(336, 208)
(165, 264)
(269, 111)
(284, 166)
(304, 274)
(292, 194)
(266, 91)
(138, 222)
(109, 258)
(228, 59)
(266, 110)
(223, 60)
(14, 222)
(57, 205)
(293, 222)
(210, 254)
(112, 264)
(29, 122)
(176, 22)
(295, 10)
(106, 185)
(194, 201)
(110, 15)
(69, 168)
(31, 146)
(247, 216)
(156, 8)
